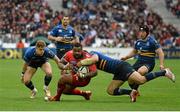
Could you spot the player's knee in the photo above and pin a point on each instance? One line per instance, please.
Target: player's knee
(110, 91)
(49, 74)
(26, 81)
(141, 81)
(63, 79)
(143, 71)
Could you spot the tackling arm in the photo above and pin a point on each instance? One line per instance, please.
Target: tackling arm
(88, 61)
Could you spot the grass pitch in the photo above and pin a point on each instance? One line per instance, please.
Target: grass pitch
(159, 95)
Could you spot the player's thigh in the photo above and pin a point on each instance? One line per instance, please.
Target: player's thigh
(113, 85)
(28, 74)
(137, 78)
(66, 79)
(143, 70)
(68, 89)
(46, 67)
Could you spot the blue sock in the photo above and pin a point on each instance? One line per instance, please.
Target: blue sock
(119, 91)
(47, 80)
(30, 85)
(134, 86)
(151, 76)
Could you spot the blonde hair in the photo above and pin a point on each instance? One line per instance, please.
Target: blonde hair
(40, 43)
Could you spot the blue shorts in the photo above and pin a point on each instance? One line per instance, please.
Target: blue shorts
(149, 65)
(124, 70)
(35, 65)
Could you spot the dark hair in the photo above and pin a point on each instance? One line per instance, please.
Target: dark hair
(144, 28)
(77, 44)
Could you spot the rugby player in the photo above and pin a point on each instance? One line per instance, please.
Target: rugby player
(122, 71)
(35, 57)
(68, 82)
(146, 48)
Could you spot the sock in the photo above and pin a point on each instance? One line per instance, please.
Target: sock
(134, 86)
(30, 85)
(119, 91)
(60, 89)
(151, 76)
(47, 80)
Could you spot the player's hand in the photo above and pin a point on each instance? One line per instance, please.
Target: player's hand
(78, 64)
(59, 39)
(68, 66)
(123, 58)
(161, 67)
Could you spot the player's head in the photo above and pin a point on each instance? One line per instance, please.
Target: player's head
(77, 50)
(40, 45)
(65, 20)
(143, 31)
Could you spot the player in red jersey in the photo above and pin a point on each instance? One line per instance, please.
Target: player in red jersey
(68, 82)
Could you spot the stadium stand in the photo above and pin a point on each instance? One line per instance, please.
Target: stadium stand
(173, 6)
(103, 23)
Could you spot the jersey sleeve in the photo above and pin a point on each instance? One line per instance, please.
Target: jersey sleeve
(50, 54)
(135, 45)
(66, 57)
(54, 31)
(155, 44)
(27, 56)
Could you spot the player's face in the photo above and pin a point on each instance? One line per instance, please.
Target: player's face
(77, 52)
(142, 34)
(65, 21)
(40, 51)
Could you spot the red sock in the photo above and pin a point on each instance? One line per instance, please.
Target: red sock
(60, 89)
(77, 92)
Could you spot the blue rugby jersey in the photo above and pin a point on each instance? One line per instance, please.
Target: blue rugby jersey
(106, 63)
(30, 55)
(146, 49)
(68, 34)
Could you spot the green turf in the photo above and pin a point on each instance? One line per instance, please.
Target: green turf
(159, 94)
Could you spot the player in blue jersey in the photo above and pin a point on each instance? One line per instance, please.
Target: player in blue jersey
(64, 36)
(146, 48)
(35, 57)
(122, 71)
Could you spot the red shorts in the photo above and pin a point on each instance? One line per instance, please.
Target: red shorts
(79, 82)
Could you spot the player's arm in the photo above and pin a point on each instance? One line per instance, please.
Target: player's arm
(130, 55)
(160, 53)
(56, 39)
(27, 58)
(53, 35)
(88, 61)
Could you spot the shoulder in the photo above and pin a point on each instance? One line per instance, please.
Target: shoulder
(70, 28)
(69, 53)
(30, 49)
(152, 39)
(86, 54)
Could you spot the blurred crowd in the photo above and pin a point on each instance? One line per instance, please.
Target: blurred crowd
(24, 19)
(103, 23)
(174, 7)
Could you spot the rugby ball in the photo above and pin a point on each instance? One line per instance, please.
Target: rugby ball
(83, 70)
